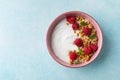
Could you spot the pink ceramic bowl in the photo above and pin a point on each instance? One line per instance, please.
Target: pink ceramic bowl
(53, 25)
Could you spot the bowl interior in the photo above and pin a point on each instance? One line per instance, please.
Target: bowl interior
(57, 20)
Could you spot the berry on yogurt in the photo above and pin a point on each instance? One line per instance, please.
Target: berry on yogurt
(78, 42)
(73, 55)
(71, 19)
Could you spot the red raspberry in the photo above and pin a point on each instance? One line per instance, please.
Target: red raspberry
(71, 19)
(78, 42)
(94, 47)
(87, 50)
(75, 26)
(73, 55)
(87, 31)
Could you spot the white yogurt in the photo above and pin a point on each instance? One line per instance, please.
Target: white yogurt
(62, 40)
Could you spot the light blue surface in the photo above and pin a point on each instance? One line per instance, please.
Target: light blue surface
(23, 52)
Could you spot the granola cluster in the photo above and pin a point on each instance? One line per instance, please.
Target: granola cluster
(86, 42)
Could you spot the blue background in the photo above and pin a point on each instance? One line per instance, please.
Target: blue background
(23, 52)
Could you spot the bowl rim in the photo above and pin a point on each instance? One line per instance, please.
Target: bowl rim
(49, 47)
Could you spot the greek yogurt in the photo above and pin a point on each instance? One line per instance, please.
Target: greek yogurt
(62, 40)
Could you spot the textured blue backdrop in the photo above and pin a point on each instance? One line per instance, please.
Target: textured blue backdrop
(23, 52)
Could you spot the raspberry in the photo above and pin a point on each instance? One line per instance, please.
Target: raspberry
(71, 19)
(87, 31)
(94, 47)
(87, 50)
(73, 55)
(75, 26)
(78, 42)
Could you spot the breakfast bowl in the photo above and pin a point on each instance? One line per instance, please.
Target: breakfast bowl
(74, 39)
